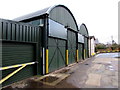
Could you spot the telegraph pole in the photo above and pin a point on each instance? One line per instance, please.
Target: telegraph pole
(112, 39)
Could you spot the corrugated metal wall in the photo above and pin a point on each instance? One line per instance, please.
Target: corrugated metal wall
(56, 49)
(20, 44)
(18, 53)
(59, 20)
(84, 32)
(63, 16)
(86, 47)
(71, 46)
(21, 32)
(80, 51)
(57, 42)
(56, 45)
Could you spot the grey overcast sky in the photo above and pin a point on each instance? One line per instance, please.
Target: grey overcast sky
(100, 16)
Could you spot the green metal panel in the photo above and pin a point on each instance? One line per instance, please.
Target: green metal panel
(13, 52)
(16, 50)
(52, 47)
(64, 16)
(18, 53)
(80, 51)
(56, 49)
(29, 33)
(4, 30)
(71, 46)
(52, 58)
(21, 32)
(13, 31)
(0, 29)
(83, 30)
(16, 31)
(59, 13)
(61, 53)
(86, 47)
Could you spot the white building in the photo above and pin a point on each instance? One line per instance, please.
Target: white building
(91, 46)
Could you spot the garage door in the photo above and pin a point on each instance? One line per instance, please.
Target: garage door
(80, 51)
(56, 49)
(18, 53)
(86, 47)
(71, 46)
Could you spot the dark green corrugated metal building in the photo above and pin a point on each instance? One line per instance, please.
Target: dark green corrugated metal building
(20, 44)
(84, 31)
(49, 38)
(59, 35)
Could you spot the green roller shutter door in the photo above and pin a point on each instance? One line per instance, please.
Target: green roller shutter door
(71, 46)
(17, 53)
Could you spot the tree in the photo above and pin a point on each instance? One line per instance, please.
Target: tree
(114, 46)
(100, 46)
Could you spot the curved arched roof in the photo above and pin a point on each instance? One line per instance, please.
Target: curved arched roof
(56, 13)
(83, 30)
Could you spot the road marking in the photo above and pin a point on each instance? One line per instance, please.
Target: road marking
(93, 79)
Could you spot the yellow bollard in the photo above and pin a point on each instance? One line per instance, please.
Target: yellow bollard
(84, 53)
(77, 55)
(66, 57)
(47, 71)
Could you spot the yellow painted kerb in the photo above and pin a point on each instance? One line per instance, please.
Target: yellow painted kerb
(47, 71)
(66, 57)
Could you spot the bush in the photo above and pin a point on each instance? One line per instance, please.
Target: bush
(115, 46)
(101, 46)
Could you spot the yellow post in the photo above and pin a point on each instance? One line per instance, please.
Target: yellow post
(66, 57)
(77, 55)
(84, 53)
(47, 71)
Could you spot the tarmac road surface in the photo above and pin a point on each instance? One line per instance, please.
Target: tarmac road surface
(98, 72)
